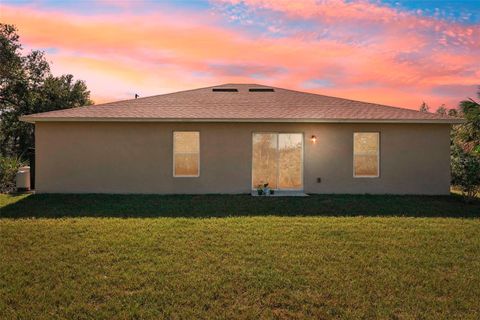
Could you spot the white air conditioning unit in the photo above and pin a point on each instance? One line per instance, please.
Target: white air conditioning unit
(23, 179)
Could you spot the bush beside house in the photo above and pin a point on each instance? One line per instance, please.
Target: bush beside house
(465, 154)
(8, 170)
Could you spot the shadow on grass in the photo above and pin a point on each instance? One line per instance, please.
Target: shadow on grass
(104, 205)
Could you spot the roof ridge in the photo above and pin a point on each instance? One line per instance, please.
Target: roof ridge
(149, 97)
(181, 91)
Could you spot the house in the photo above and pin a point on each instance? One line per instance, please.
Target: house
(232, 137)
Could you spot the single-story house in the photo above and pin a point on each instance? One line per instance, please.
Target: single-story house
(231, 138)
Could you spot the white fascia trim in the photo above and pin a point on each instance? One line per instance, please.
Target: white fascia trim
(109, 119)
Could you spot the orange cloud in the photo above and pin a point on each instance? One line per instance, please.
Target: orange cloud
(119, 55)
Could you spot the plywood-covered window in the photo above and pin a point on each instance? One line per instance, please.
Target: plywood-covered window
(290, 161)
(366, 154)
(265, 159)
(277, 159)
(186, 154)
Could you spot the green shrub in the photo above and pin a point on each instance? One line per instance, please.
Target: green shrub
(466, 171)
(8, 170)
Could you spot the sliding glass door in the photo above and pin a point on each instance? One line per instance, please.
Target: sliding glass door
(277, 159)
(265, 159)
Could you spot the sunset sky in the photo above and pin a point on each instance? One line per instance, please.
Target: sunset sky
(395, 52)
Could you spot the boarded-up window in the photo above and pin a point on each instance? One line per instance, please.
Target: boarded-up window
(186, 154)
(290, 161)
(366, 150)
(265, 159)
(278, 160)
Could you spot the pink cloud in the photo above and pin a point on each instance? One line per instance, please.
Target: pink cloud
(401, 64)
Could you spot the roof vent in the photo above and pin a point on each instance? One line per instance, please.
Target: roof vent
(224, 90)
(261, 90)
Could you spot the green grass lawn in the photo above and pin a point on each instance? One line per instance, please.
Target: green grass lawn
(96, 205)
(189, 257)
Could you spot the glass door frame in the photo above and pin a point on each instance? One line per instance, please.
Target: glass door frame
(278, 169)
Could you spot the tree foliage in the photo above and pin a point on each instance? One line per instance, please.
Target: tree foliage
(468, 134)
(8, 170)
(27, 86)
(424, 107)
(465, 171)
(453, 112)
(466, 149)
(442, 110)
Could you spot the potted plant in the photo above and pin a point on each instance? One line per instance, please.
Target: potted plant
(266, 189)
(260, 189)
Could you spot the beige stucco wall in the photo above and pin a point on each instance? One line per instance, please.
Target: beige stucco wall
(114, 157)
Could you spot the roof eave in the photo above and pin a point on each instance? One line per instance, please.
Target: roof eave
(125, 119)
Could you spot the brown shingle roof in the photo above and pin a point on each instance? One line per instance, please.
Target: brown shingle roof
(205, 105)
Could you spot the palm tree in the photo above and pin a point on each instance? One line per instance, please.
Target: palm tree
(469, 132)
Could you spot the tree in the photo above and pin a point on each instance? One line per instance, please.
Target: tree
(424, 107)
(468, 133)
(442, 110)
(466, 149)
(27, 86)
(453, 113)
(465, 171)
